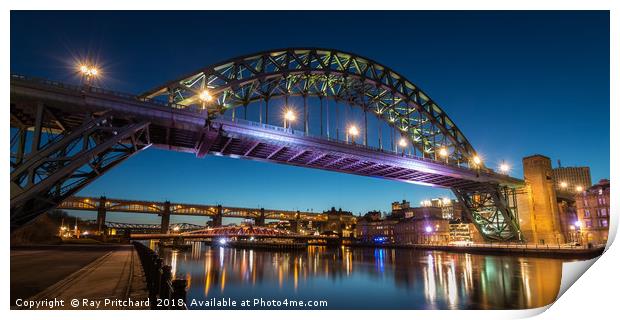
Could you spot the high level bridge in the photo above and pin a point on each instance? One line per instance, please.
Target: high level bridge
(310, 107)
(103, 205)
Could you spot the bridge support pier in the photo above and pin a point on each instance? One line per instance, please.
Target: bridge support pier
(217, 219)
(101, 213)
(165, 218)
(260, 221)
(493, 210)
(295, 223)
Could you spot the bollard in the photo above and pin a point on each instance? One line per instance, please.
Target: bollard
(179, 293)
(166, 276)
(157, 277)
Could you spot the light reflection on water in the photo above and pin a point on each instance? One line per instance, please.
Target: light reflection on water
(367, 278)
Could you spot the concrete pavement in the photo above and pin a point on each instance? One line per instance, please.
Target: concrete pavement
(113, 280)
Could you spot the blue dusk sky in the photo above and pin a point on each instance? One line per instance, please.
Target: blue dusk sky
(516, 83)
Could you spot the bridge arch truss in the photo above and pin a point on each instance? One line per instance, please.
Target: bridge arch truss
(326, 74)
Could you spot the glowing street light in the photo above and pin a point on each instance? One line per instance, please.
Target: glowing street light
(504, 168)
(579, 188)
(205, 96)
(428, 229)
(477, 160)
(578, 224)
(563, 184)
(443, 152)
(176, 228)
(88, 72)
(353, 131)
(402, 142)
(289, 116)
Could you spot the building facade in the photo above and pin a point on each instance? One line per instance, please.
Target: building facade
(593, 213)
(572, 179)
(372, 229)
(450, 208)
(422, 230)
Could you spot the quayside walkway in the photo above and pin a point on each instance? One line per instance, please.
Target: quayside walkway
(113, 273)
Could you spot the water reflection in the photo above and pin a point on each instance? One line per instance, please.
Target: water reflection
(366, 278)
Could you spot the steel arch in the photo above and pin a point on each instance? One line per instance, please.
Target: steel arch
(324, 73)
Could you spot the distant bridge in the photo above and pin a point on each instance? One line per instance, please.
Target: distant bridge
(102, 205)
(65, 136)
(177, 227)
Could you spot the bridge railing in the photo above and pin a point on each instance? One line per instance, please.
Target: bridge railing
(101, 91)
(301, 133)
(172, 293)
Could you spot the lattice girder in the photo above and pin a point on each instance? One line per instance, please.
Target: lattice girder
(493, 212)
(341, 76)
(48, 175)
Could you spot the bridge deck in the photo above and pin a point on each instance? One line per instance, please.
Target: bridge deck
(188, 130)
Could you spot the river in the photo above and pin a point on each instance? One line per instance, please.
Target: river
(364, 278)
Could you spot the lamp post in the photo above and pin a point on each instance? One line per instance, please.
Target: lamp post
(204, 97)
(504, 168)
(403, 144)
(444, 153)
(353, 132)
(477, 161)
(289, 116)
(88, 72)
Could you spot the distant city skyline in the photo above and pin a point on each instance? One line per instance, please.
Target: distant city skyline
(516, 84)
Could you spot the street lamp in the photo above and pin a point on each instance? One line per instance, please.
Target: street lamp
(563, 184)
(88, 73)
(504, 168)
(579, 188)
(289, 116)
(443, 152)
(477, 160)
(403, 144)
(205, 96)
(353, 132)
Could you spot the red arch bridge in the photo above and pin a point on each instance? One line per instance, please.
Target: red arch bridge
(148, 228)
(239, 232)
(309, 107)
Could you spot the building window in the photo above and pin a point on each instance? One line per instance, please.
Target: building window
(603, 212)
(604, 223)
(588, 224)
(587, 213)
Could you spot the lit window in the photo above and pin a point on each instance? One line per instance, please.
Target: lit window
(604, 223)
(588, 224)
(603, 212)
(587, 213)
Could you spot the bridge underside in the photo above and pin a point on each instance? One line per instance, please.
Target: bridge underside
(240, 139)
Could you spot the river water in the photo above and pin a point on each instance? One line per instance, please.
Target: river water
(364, 278)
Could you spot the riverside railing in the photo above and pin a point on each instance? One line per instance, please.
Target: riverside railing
(164, 292)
